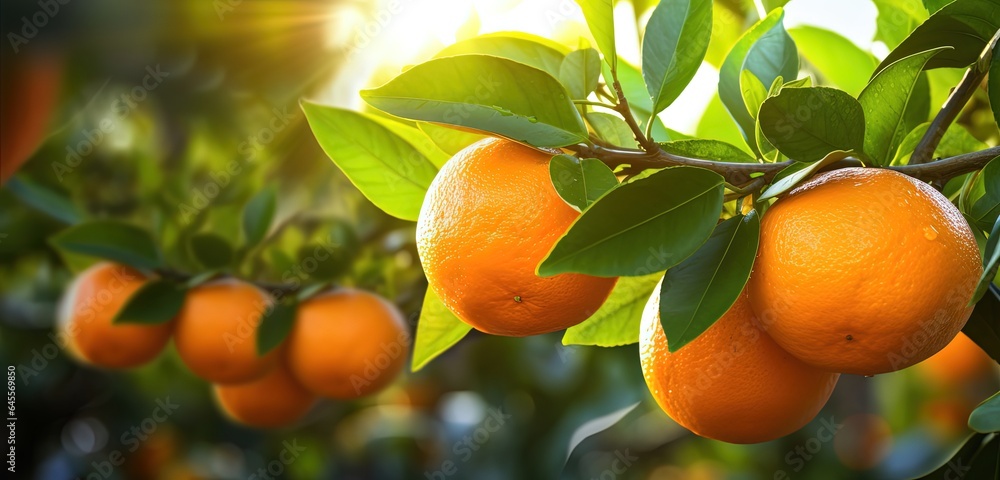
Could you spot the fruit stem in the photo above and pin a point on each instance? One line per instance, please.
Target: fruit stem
(959, 97)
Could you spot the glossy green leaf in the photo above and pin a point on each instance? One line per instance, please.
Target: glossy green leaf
(986, 209)
(521, 49)
(896, 19)
(449, 140)
(754, 93)
(494, 94)
(601, 20)
(982, 327)
(388, 170)
(275, 326)
(437, 330)
(807, 123)
(838, 60)
(699, 290)
(991, 263)
(675, 42)
(966, 25)
(768, 52)
(993, 83)
(416, 138)
(111, 240)
(643, 226)
(885, 102)
(580, 72)
(45, 200)
(210, 251)
(986, 417)
(617, 322)
(611, 129)
(580, 182)
(964, 459)
(707, 150)
(155, 302)
(258, 214)
(799, 172)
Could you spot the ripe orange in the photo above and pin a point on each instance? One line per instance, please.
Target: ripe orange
(732, 383)
(958, 363)
(490, 216)
(31, 83)
(273, 400)
(216, 333)
(347, 344)
(864, 271)
(89, 307)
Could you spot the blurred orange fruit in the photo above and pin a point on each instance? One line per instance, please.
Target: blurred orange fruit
(958, 363)
(732, 383)
(216, 334)
(864, 271)
(31, 84)
(490, 216)
(273, 400)
(88, 309)
(347, 343)
(863, 441)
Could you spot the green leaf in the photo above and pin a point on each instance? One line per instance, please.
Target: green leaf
(964, 458)
(991, 263)
(838, 60)
(275, 326)
(111, 240)
(611, 129)
(935, 5)
(617, 322)
(157, 301)
(580, 72)
(449, 140)
(485, 93)
(210, 251)
(258, 214)
(699, 290)
(49, 202)
(896, 19)
(966, 25)
(580, 182)
(520, 48)
(986, 417)
(601, 20)
(673, 47)
(768, 52)
(885, 102)
(415, 137)
(956, 141)
(986, 209)
(389, 171)
(437, 330)
(982, 327)
(993, 83)
(754, 93)
(799, 172)
(643, 226)
(808, 123)
(708, 150)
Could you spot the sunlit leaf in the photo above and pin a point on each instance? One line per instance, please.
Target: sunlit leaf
(617, 321)
(707, 150)
(808, 123)
(580, 182)
(611, 129)
(675, 42)
(523, 49)
(799, 172)
(580, 72)
(600, 19)
(437, 330)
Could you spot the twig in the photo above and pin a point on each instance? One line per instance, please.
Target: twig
(626, 113)
(959, 97)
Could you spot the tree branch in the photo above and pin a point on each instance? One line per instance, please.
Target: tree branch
(625, 111)
(959, 97)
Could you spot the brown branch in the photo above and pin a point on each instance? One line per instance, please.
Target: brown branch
(947, 168)
(625, 111)
(959, 97)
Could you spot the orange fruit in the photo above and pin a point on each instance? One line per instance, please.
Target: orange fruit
(864, 271)
(490, 216)
(347, 343)
(273, 400)
(732, 383)
(958, 363)
(31, 83)
(216, 334)
(88, 308)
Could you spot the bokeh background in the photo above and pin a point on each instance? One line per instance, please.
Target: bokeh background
(140, 107)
